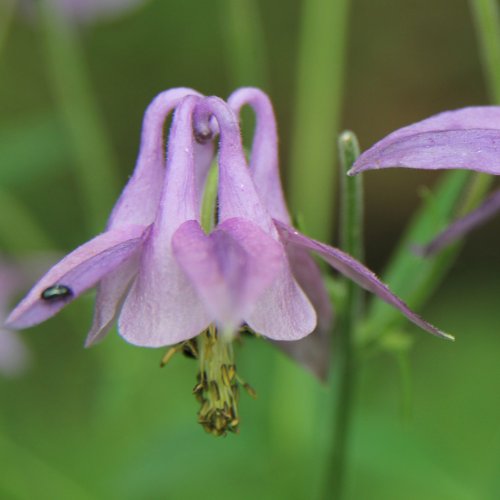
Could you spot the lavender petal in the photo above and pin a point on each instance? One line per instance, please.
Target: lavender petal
(467, 138)
(230, 268)
(78, 271)
(357, 272)
(462, 226)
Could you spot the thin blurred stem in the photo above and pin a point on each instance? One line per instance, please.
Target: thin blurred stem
(317, 110)
(351, 216)
(351, 242)
(94, 160)
(209, 203)
(487, 22)
(13, 216)
(410, 275)
(486, 17)
(245, 43)
(7, 8)
(415, 278)
(478, 186)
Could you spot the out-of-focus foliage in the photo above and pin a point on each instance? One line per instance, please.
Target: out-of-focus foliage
(107, 422)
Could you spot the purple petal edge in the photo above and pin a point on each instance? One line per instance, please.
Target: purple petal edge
(462, 226)
(230, 268)
(356, 271)
(79, 271)
(467, 138)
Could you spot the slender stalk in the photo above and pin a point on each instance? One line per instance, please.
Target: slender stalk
(351, 216)
(487, 22)
(486, 16)
(351, 242)
(478, 186)
(245, 46)
(317, 110)
(411, 276)
(94, 161)
(13, 216)
(209, 203)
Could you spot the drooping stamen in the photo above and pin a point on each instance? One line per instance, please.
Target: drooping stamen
(217, 387)
(218, 384)
(188, 348)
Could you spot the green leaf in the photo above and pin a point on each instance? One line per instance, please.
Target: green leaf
(410, 276)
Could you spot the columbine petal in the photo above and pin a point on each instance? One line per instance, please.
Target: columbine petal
(139, 203)
(264, 166)
(78, 271)
(230, 268)
(313, 350)
(357, 272)
(283, 312)
(110, 295)
(162, 306)
(462, 226)
(467, 138)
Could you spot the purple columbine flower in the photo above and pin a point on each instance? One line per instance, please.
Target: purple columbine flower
(467, 138)
(168, 281)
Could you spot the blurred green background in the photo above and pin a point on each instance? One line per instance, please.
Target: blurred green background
(107, 422)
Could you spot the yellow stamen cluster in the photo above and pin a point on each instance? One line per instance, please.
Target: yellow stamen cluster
(218, 384)
(217, 388)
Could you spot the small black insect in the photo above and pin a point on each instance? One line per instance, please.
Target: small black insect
(57, 292)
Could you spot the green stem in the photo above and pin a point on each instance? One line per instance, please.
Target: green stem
(351, 216)
(246, 51)
(317, 112)
(94, 160)
(414, 278)
(13, 216)
(351, 242)
(209, 202)
(487, 22)
(478, 186)
(486, 17)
